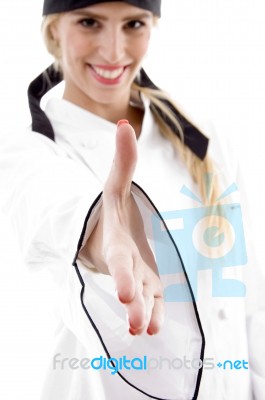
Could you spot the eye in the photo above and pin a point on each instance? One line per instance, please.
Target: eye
(135, 24)
(89, 23)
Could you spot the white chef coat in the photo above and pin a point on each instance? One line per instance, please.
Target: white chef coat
(47, 188)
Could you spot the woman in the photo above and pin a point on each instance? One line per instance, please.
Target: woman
(117, 240)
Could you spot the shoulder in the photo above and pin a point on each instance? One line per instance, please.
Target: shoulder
(28, 141)
(28, 152)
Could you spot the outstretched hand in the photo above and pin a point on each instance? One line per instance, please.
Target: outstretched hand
(118, 244)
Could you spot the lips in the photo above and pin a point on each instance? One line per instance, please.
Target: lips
(107, 74)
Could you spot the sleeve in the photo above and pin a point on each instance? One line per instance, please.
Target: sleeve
(53, 203)
(255, 299)
(231, 166)
(46, 195)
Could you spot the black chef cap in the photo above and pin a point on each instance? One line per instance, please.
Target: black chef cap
(58, 6)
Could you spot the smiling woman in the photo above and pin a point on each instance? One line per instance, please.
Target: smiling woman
(102, 49)
(87, 193)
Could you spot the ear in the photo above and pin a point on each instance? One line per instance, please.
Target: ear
(54, 30)
(51, 31)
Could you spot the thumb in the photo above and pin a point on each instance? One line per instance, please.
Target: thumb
(125, 159)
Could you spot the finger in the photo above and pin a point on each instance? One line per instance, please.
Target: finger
(121, 269)
(157, 317)
(149, 303)
(136, 311)
(148, 298)
(124, 163)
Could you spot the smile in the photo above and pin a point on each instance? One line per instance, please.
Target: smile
(107, 74)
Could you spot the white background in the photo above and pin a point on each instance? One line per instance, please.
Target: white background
(210, 55)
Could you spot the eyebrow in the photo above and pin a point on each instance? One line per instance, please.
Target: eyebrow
(98, 16)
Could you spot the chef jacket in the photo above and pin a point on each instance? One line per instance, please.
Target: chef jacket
(51, 190)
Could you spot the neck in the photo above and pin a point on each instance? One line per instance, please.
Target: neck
(112, 112)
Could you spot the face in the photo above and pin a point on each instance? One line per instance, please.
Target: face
(102, 48)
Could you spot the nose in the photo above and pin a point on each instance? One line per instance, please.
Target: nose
(112, 46)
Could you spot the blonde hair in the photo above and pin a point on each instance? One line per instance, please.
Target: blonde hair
(197, 168)
(50, 42)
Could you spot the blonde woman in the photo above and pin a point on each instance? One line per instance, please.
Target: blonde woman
(131, 325)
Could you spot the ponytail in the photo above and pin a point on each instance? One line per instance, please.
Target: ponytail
(197, 167)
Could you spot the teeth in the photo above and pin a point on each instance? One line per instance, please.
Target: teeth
(107, 74)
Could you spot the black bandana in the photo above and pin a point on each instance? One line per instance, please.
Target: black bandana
(58, 6)
(193, 138)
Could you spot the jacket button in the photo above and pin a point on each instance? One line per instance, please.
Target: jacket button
(222, 314)
(89, 144)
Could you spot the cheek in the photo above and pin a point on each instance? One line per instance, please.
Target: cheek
(141, 48)
(73, 49)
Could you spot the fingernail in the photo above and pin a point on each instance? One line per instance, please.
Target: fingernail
(122, 121)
